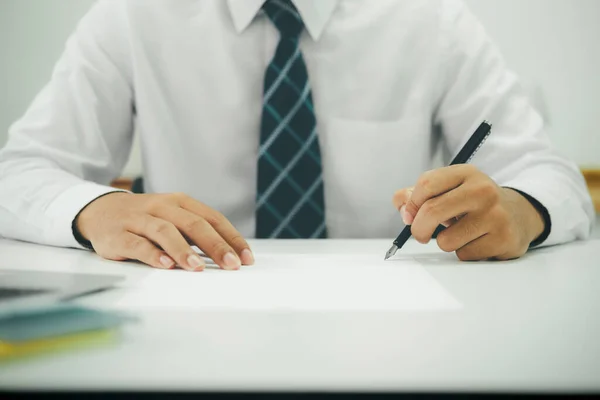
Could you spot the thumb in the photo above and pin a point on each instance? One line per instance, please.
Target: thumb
(400, 199)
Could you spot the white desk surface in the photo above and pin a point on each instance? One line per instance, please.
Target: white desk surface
(526, 325)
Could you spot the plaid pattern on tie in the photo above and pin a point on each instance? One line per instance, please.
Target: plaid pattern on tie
(290, 198)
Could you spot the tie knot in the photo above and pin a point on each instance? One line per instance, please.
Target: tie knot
(285, 17)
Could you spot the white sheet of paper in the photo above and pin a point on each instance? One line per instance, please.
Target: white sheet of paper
(295, 282)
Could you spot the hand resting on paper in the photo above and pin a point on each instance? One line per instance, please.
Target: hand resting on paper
(483, 220)
(157, 229)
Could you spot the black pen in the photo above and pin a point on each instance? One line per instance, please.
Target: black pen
(463, 157)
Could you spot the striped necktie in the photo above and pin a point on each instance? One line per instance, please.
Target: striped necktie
(290, 198)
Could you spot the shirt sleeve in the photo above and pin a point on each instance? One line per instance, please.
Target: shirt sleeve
(76, 136)
(476, 85)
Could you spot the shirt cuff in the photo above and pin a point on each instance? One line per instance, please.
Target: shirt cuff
(64, 209)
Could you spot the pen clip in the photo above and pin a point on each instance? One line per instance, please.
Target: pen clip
(480, 144)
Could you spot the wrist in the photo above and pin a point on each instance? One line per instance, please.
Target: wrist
(85, 216)
(530, 216)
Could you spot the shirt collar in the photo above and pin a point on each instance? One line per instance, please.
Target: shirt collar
(315, 13)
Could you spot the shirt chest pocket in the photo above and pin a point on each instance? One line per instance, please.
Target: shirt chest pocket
(364, 162)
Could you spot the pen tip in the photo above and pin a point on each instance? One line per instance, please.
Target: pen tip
(390, 252)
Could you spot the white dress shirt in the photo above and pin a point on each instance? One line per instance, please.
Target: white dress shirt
(188, 76)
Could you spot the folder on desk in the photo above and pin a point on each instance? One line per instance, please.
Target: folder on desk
(13, 350)
(58, 327)
(56, 321)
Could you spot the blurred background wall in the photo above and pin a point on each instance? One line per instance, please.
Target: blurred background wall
(552, 44)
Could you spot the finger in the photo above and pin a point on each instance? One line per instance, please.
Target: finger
(167, 236)
(442, 210)
(400, 198)
(436, 182)
(223, 227)
(203, 235)
(134, 247)
(483, 248)
(468, 229)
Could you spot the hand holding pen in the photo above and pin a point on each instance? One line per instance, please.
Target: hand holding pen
(483, 220)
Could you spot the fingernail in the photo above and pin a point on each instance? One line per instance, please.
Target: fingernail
(247, 257)
(406, 217)
(166, 262)
(195, 262)
(231, 261)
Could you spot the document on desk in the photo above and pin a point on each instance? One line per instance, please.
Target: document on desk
(295, 282)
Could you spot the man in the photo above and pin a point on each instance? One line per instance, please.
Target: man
(284, 119)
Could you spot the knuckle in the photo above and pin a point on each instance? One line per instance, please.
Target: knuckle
(220, 248)
(132, 222)
(239, 242)
(195, 225)
(412, 207)
(163, 228)
(424, 181)
(179, 195)
(215, 218)
(155, 204)
(176, 197)
(487, 190)
(133, 243)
